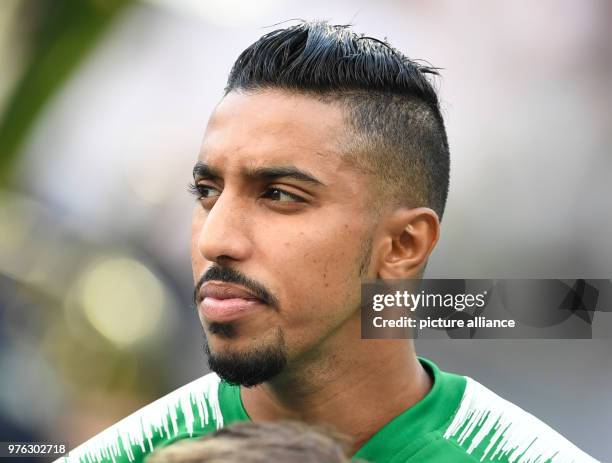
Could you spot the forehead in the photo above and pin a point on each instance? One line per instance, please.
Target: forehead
(274, 127)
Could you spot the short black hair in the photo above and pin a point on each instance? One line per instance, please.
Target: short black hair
(397, 131)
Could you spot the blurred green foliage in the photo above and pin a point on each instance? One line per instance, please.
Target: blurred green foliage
(60, 34)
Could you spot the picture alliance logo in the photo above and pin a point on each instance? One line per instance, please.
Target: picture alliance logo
(414, 301)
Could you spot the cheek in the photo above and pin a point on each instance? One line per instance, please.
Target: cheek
(322, 277)
(197, 261)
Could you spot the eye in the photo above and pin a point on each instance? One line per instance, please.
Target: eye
(202, 191)
(276, 194)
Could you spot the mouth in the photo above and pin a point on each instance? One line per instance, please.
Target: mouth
(222, 302)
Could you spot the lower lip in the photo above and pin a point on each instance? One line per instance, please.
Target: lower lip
(225, 310)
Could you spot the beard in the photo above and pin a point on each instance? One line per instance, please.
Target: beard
(250, 367)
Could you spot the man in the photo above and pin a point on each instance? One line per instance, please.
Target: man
(325, 163)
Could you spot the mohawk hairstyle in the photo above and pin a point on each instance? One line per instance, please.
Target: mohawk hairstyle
(396, 128)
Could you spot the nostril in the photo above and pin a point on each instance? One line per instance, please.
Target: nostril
(224, 259)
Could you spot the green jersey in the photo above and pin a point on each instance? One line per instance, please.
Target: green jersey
(458, 421)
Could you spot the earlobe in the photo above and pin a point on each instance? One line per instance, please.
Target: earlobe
(410, 236)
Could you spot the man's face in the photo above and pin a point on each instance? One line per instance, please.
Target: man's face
(281, 228)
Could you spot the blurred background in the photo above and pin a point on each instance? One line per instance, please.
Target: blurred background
(103, 104)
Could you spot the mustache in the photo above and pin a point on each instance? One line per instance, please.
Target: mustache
(230, 275)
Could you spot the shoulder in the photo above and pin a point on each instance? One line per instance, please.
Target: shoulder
(491, 428)
(460, 420)
(193, 409)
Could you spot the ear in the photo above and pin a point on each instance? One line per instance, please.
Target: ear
(406, 239)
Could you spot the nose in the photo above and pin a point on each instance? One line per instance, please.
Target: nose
(224, 233)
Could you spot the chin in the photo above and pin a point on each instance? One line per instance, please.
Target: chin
(236, 344)
(230, 346)
(248, 363)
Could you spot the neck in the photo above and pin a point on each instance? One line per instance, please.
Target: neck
(354, 385)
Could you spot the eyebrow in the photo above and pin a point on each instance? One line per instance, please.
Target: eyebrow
(204, 171)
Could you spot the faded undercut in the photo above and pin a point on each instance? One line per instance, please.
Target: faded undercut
(396, 128)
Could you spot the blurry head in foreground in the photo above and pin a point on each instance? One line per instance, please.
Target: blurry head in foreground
(248, 442)
(326, 162)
